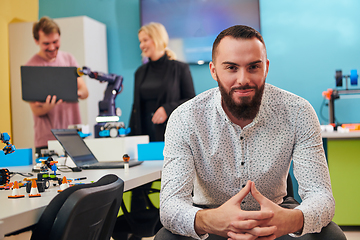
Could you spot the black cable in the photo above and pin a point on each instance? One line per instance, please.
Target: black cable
(22, 174)
(321, 109)
(65, 169)
(321, 114)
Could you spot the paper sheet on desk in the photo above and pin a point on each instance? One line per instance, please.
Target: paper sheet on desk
(151, 151)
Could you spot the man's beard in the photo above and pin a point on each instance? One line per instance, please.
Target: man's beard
(247, 108)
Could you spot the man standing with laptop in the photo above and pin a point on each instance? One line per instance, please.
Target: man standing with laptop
(53, 113)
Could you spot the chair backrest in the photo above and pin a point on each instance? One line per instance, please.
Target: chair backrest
(82, 212)
(289, 188)
(143, 220)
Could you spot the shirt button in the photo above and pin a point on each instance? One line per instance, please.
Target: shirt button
(241, 138)
(243, 185)
(242, 163)
(243, 202)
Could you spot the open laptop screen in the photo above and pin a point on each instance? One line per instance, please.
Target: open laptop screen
(75, 146)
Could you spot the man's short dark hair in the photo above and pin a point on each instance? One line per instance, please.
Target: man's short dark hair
(237, 31)
(45, 24)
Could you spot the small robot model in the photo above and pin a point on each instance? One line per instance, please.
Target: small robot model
(44, 155)
(9, 148)
(46, 166)
(113, 129)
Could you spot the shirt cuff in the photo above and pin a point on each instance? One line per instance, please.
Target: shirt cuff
(193, 233)
(295, 235)
(305, 229)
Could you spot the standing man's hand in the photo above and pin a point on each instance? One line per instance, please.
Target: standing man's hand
(286, 220)
(159, 116)
(42, 108)
(229, 220)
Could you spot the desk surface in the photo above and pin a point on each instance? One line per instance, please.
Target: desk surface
(19, 213)
(330, 135)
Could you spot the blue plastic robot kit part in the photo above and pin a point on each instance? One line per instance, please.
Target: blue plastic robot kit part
(9, 148)
(124, 131)
(353, 77)
(104, 133)
(84, 135)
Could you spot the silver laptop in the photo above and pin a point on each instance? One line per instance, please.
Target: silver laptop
(79, 152)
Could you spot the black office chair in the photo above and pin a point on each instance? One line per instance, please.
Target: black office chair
(289, 187)
(143, 220)
(82, 212)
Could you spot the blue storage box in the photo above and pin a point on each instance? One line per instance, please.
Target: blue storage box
(21, 157)
(150, 151)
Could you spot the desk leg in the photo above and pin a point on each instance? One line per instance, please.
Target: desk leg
(2, 231)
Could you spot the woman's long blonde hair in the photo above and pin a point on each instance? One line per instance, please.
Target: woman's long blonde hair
(159, 35)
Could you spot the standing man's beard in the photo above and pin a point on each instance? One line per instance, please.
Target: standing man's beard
(247, 108)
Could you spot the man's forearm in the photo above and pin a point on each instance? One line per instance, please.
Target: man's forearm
(39, 110)
(199, 225)
(83, 92)
(297, 221)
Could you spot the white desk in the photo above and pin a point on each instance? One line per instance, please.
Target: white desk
(19, 213)
(337, 135)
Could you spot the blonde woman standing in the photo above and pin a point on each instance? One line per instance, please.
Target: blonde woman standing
(161, 84)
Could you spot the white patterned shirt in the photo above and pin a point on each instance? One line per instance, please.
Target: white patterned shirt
(212, 158)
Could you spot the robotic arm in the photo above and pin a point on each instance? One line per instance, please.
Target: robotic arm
(9, 148)
(107, 127)
(114, 87)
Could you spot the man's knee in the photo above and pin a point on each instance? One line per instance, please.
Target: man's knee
(331, 232)
(164, 234)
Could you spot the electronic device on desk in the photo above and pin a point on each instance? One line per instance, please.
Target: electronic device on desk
(81, 155)
(332, 94)
(108, 124)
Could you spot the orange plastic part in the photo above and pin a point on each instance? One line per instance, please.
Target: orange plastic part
(35, 189)
(351, 126)
(327, 94)
(15, 189)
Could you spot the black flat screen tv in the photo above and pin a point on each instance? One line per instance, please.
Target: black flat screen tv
(193, 25)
